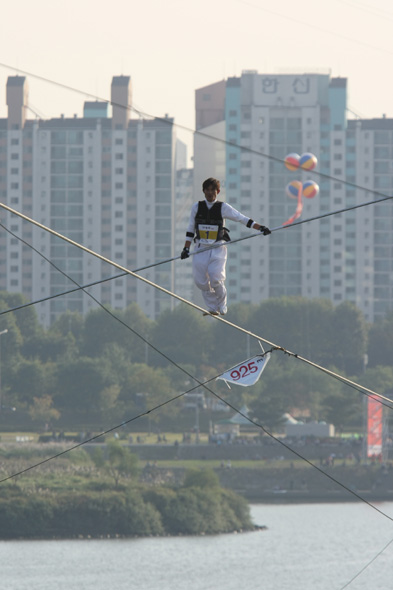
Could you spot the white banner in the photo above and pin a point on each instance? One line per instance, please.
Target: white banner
(248, 372)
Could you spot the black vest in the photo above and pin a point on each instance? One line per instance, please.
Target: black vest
(212, 216)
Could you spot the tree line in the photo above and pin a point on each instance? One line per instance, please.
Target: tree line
(104, 368)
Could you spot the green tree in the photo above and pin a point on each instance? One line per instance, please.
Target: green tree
(145, 389)
(315, 329)
(268, 410)
(380, 342)
(12, 341)
(201, 478)
(25, 318)
(292, 385)
(184, 335)
(42, 410)
(378, 379)
(349, 338)
(79, 386)
(70, 322)
(296, 324)
(63, 339)
(121, 462)
(343, 408)
(28, 379)
(103, 329)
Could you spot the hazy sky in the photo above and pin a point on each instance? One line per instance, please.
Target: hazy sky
(171, 47)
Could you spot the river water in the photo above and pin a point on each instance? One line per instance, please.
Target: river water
(305, 547)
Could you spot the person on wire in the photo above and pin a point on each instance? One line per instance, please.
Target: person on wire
(206, 226)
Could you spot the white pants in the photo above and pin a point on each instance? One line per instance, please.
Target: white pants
(209, 276)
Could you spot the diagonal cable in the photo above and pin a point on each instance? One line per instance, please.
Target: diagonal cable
(191, 304)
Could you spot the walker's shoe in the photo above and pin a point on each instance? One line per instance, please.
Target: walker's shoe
(223, 310)
(212, 313)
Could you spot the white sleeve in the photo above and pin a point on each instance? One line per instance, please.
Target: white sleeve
(191, 224)
(229, 212)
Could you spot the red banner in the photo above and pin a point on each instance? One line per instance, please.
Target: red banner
(374, 427)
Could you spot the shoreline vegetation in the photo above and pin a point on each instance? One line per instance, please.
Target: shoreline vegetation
(133, 512)
(105, 491)
(102, 495)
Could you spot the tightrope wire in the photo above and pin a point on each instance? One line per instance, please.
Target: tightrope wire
(191, 304)
(274, 347)
(254, 152)
(192, 253)
(218, 397)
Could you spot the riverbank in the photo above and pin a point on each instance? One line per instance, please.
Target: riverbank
(129, 511)
(293, 484)
(333, 471)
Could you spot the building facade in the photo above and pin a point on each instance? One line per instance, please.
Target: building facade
(184, 199)
(263, 118)
(107, 182)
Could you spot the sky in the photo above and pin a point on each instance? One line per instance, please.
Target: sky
(170, 48)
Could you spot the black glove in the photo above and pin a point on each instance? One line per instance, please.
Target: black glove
(265, 230)
(185, 253)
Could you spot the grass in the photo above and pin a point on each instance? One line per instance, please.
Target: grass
(147, 438)
(14, 437)
(171, 437)
(245, 464)
(216, 463)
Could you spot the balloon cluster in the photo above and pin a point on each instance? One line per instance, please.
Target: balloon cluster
(297, 189)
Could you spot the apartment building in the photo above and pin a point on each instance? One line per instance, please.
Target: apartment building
(104, 180)
(257, 119)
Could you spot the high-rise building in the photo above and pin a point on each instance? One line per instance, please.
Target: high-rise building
(105, 182)
(184, 199)
(258, 119)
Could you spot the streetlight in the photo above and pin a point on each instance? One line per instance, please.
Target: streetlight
(1, 400)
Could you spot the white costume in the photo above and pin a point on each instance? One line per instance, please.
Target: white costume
(209, 267)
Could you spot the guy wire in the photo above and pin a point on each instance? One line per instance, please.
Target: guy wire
(166, 121)
(199, 384)
(191, 304)
(255, 423)
(192, 253)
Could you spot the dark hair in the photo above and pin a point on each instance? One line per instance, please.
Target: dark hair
(211, 182)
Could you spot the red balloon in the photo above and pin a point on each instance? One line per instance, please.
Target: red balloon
(292, 161)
